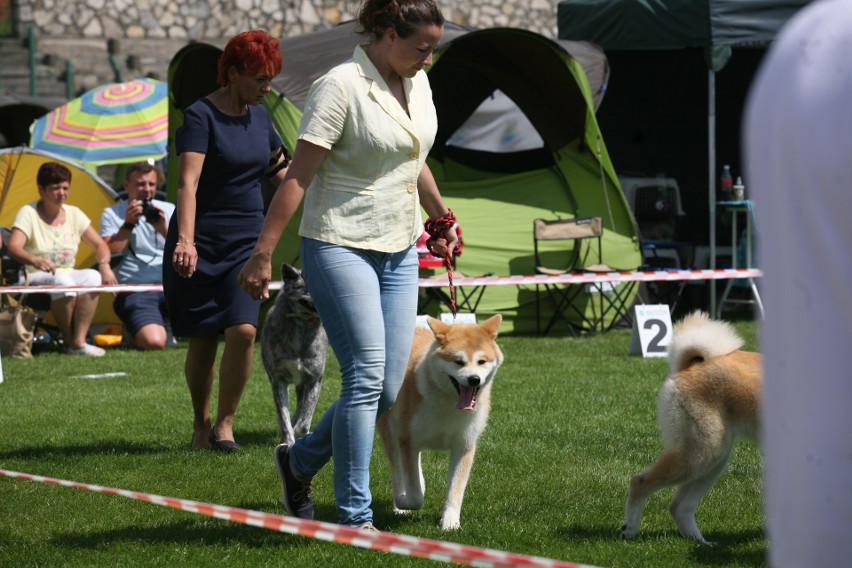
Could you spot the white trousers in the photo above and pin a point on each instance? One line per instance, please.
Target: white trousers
(65, 277)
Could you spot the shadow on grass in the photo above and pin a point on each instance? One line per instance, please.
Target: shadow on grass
(742, 547)
(194, 531)
(747, 548)
(187, 532)
(386, 519)
(77, 450)
(249, 439)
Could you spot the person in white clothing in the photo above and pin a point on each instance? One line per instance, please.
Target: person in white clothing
(798, 148)
(45, 237)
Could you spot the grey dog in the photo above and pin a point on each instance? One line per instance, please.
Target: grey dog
(294, 347)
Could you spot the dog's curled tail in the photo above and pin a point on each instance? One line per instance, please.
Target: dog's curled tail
(697, 338)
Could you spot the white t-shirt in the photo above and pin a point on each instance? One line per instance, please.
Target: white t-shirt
(59, 244)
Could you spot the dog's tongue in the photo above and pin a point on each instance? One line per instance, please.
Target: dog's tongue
(467, 398)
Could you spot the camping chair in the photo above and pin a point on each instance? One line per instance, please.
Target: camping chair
(585, 256)
(13, 275)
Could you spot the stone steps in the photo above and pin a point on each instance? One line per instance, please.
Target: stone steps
(90, 62)
(15, 71)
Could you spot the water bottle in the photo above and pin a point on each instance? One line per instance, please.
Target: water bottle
(726, 183)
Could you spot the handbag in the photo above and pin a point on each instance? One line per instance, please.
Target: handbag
(17, 324)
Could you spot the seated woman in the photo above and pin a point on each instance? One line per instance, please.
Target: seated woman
(45, 237)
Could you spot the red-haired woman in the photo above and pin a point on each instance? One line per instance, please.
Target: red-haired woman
(227, 144)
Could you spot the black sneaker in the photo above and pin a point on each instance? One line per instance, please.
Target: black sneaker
(296, 493)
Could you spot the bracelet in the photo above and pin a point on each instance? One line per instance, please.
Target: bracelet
(104, 261)
(437, 227)
(185, 243)
(128, 226)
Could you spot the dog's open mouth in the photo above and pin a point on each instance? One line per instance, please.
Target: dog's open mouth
(467, 395)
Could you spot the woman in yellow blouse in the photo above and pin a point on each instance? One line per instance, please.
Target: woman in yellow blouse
(360, 164)
(45, 237)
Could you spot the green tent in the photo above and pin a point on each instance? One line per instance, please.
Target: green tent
(688, 65)
(495, 193)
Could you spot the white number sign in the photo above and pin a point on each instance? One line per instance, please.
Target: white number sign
(652, 330)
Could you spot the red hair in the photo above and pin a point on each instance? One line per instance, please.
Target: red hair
(249, 53)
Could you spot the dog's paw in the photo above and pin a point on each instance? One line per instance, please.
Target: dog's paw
(688, 529)
(398, 511)
(450, 523)
(626, 533)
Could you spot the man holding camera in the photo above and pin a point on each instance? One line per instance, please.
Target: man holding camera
(136, 227)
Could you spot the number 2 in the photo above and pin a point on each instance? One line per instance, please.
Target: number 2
(654, 346)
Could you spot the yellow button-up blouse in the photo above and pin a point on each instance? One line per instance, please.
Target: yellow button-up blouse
(365, 192)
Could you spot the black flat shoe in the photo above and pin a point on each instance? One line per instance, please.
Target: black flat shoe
(222, 445)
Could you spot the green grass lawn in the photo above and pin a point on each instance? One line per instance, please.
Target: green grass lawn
(572, 420)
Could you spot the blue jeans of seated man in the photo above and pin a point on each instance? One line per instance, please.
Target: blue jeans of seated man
(368, 305)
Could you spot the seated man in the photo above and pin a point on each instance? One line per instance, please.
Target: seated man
(136, 227)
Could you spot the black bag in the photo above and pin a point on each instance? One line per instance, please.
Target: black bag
(17, 323)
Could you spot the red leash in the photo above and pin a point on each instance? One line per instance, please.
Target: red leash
(436, 229)
(449, 264)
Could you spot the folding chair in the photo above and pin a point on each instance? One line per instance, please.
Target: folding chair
(585, 255)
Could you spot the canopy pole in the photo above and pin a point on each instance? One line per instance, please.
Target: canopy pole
(711, 177)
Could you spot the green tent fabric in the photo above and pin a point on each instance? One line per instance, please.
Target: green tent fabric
(716, 25)
(495, 195)
(638, 34)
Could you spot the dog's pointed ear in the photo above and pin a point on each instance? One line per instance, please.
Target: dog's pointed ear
(289, 273)
(492, 325)
(439, 328)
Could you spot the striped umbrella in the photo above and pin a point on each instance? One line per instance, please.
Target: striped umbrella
(114, 123)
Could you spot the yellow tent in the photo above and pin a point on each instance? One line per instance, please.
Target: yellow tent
(18, 169)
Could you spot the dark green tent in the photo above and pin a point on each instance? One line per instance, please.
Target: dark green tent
(679, 67)
(715, 25)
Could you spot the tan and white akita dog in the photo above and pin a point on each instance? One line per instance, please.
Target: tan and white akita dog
(711, 396)
(443, 404)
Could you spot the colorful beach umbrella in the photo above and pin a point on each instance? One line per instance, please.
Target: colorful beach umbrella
(114, 123)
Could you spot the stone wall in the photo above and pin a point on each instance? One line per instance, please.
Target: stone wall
(143, 35)
(213, 19)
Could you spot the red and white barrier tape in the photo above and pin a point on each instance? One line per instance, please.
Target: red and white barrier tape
(102, 288)
(389, 542)
(441, 281)
(590, 278)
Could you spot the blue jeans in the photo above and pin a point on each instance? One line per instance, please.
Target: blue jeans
(367, 301)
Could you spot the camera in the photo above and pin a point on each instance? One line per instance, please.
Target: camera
(149, 211)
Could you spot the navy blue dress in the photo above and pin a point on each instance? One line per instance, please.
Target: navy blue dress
(228, 217)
